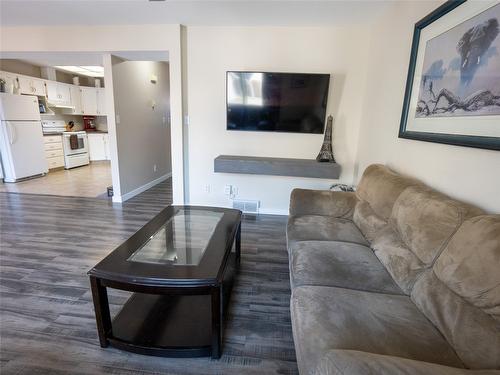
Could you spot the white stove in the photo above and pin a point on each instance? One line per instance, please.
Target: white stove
(53, 126)
(76, 149)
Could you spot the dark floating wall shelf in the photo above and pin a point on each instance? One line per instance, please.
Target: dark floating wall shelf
(276, 166)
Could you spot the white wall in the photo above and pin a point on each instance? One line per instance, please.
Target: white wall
(143, 134)
(468, 174)
(360, 61)
(211, 51)
(138, 39)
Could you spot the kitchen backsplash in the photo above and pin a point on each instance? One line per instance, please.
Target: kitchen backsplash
(100, 121)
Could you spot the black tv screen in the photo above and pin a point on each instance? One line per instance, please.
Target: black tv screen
(279, 102)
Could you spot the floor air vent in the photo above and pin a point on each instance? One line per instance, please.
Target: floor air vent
(248, 207)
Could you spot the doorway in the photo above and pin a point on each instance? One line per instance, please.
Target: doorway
(66, 150)
(122, 111)
(140, 123)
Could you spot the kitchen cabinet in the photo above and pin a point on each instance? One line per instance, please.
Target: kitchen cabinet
(54, 151)
(76, 100)
(10, 80)
(31, 86)
(98, 146)
(58, 93)
(38, 86)
(101, 102)
(89, 101)
(51, 91)
(93, 101)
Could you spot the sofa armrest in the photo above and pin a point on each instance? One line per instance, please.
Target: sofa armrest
(322, 202)
(352, 362)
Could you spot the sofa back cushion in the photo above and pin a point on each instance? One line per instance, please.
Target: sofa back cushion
(470, 266)
(426, 219)
(461, 293)
(377, 191)
(421, 224)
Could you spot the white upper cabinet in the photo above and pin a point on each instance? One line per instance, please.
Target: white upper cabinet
(51, 91)
(38, 87)
(89, 101)
(93, 101)
(59, 93)
(32, 86)
(10, 80)
(24, 84)
(83, 100)
(76, 100)
(64, 92)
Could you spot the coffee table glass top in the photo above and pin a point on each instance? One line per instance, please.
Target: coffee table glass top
(182, 240)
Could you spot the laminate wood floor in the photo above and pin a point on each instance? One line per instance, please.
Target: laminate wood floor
(47, 325)
(86, 181)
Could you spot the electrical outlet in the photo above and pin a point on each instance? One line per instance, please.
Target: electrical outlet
(228, 190)
(155, 168)
(208, 188)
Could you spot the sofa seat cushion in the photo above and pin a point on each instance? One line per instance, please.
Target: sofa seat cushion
(325, 318)
(323, 228)
(341, 264)
(352, 362)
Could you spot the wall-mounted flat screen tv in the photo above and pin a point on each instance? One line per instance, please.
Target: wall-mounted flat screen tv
(277, 102)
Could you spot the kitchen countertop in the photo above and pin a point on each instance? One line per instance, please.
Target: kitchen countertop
(97, 132)
(88, 132)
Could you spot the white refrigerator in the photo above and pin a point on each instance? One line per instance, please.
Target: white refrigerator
(21, 137)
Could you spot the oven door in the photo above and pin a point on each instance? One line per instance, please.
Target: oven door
(76, 145)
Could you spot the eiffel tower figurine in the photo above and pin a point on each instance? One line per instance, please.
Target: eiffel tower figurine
(326, 153)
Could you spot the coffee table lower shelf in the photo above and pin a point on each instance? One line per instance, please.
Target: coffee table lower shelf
(167, 326)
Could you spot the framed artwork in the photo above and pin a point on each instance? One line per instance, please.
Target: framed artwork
(453, 86)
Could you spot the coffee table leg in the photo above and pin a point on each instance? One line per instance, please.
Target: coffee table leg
(101, 307)
(216, 293)
(238, 244)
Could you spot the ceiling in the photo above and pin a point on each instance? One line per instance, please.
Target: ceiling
(189, 12)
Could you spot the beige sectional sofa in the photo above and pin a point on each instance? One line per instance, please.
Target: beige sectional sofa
(395, 278)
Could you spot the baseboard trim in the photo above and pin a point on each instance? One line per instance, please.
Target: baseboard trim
(273, 211)
(124, 197)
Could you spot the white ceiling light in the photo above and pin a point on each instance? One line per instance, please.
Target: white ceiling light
(90, 71)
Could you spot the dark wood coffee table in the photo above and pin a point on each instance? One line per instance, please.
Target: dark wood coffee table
(180, 267)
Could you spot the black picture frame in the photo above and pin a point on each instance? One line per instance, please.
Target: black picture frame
(491, 143)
